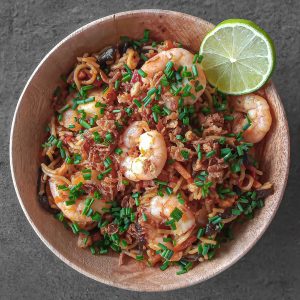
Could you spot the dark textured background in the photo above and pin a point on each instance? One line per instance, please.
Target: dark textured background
(28, 270)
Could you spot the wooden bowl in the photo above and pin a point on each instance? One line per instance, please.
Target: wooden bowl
(32, 114)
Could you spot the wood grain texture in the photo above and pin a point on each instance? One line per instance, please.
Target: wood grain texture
(33, 112)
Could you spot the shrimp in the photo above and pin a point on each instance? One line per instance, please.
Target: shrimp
(74, 212)
(70, 116)
(153, 152)
(181, 58)
(161, 208)
(258, 111)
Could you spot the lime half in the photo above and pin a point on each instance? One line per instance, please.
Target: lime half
(238, 56)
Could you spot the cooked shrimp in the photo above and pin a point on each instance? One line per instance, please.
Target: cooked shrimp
(74, 212)
(90, 108)
(153, 152)
(70, 116)
(258, 111)
(180, 57)
(162, 207)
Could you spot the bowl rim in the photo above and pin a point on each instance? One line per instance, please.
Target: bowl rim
(77, 267)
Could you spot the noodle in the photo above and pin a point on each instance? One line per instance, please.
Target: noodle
(250, 183)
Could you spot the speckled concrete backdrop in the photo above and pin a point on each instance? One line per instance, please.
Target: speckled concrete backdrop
(28, 270)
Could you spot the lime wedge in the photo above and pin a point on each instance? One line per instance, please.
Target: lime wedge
(238, 56)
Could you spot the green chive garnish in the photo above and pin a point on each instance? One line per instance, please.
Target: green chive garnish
(64, 108)
(118, 151)
(176, 214)
(142, 73)
(185, 154)
(84, 124)
(195, 70)
(137, 103)
(210, 153)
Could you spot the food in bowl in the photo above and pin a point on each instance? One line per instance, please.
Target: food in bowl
(145, 158)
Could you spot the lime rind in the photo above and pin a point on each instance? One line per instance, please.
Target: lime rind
(257, 68)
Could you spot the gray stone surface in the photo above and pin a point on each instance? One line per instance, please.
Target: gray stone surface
(28, 270)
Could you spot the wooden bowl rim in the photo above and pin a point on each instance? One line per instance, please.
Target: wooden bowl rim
(79, 268)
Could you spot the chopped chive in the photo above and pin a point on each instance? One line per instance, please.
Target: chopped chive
(245, 127)
(199, 60)
(195, 59)
(210, 153)
(199, 153)
(151, 91)
(88, 204)
(109, 137)
(198, 88)
(200, 233)
(205, 110)
(85, 89)
(87, 176)
(142, 73)
(60, 217)
(222, 140)
(228, 117)
(97, 195)
(125, 182)
(169, 190)
(139, 257)
(164, 81)
(215, 220)
(64, 108)
(69, 160)
(160, 182)
(84, 124)
(147, 100)
(185, 154)
(176, 214)
(107, 162)
(96, 217)
(169, 67)
(90, 99)
(236, 212)
(195, 70)
(126, 77)
(138, 103)
(166, 110)
(129, 111)
(144, 217)
(167, 253)
(172, 224)
(165, 265)
(128, 69)
(101, 175)
(70, 202)
(97, 137)
(167, 240)
(93, 250)
(62, 187)
(118, 151)
(144, 57)
(146, 35)
(75, 228)
(59, 144)
(77, 158)
(180, 199)
(155, 116)
(117, 84)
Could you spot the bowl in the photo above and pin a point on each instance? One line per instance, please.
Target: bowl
(27, 133)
